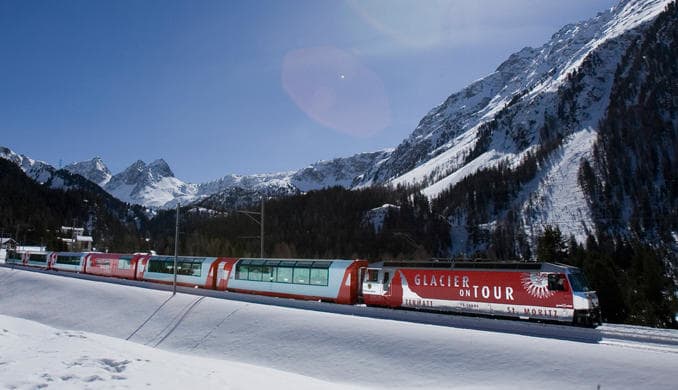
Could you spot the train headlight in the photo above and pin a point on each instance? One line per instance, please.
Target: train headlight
(593, 298)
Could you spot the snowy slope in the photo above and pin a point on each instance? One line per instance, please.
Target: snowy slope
(37, 356)
(306, 347)
(152, 185)
(557, 91)
(343, 172)
(42, 172)
(525, 84)
(36, 170)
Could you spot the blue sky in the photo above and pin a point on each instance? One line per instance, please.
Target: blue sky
(218, 87)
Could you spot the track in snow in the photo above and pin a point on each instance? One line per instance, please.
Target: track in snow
(628, 336)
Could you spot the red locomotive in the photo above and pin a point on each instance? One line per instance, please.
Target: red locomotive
(542, 291)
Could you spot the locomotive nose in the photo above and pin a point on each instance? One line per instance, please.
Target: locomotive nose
(593, 300)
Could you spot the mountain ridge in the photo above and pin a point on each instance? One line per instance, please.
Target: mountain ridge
(541, 106)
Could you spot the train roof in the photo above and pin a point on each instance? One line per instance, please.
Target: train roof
(478, 265)
(253, 259)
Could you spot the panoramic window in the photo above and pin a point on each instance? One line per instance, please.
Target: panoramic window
(319, 277)
(284, 275)
(315, 273)
(37, 258)
(301, 275)
(255, 273)
(68, 260)
(185, 266)
(241, 272)
(268, 273)
(125, 262)
(160, 267)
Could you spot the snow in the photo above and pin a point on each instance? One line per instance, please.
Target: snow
(103, 335)
(377, 216)
(449, 160)
(539, 72)
(37, 170)
(94, 170)
(37, 356)
(559, 200)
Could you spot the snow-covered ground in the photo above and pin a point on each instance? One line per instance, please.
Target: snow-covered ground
(35, 356)
(59, 332)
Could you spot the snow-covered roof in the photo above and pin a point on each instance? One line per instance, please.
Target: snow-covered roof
(32, 249)
(71, 228)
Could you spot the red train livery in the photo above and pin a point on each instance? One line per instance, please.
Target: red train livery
(311, 279)
(541, 291)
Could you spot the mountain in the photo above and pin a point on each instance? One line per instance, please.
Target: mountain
(527, 126)
(630, 181)
(94, 170)
(34, 211)
(36, 170)
(518, 97)
(518, 150)
(152, 185)
(46, 174)
(342, 172)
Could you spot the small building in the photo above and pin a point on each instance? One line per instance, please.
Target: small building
(72, 231)
(31, 248)
(8, 243)
(76, 240)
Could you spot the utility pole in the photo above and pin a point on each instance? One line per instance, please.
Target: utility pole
(176, 251)
(260, 222)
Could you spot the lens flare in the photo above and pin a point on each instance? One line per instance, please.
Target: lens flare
(336, 90)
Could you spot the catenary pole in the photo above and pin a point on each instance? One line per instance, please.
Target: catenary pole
(260, 222)
(176, 251)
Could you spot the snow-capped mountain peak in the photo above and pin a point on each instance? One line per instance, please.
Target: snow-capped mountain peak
(159, 168)
(94, 170)
(37, 170)
(530, 77)
(152, 185)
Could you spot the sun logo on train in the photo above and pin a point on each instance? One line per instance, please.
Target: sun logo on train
(536, 284)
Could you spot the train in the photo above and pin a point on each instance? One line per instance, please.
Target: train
(547, 292)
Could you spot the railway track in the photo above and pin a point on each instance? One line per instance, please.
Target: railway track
(639, 337)
(627, 336)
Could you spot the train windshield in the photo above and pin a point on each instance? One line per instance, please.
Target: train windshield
(372, 275)
(578, 282)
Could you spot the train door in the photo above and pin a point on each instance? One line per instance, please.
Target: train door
(141, 267)
(377, 281)
(362, 274)
(51, 260)
(377, 287)
(86, 262)
(386, 282)
(216, 275)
